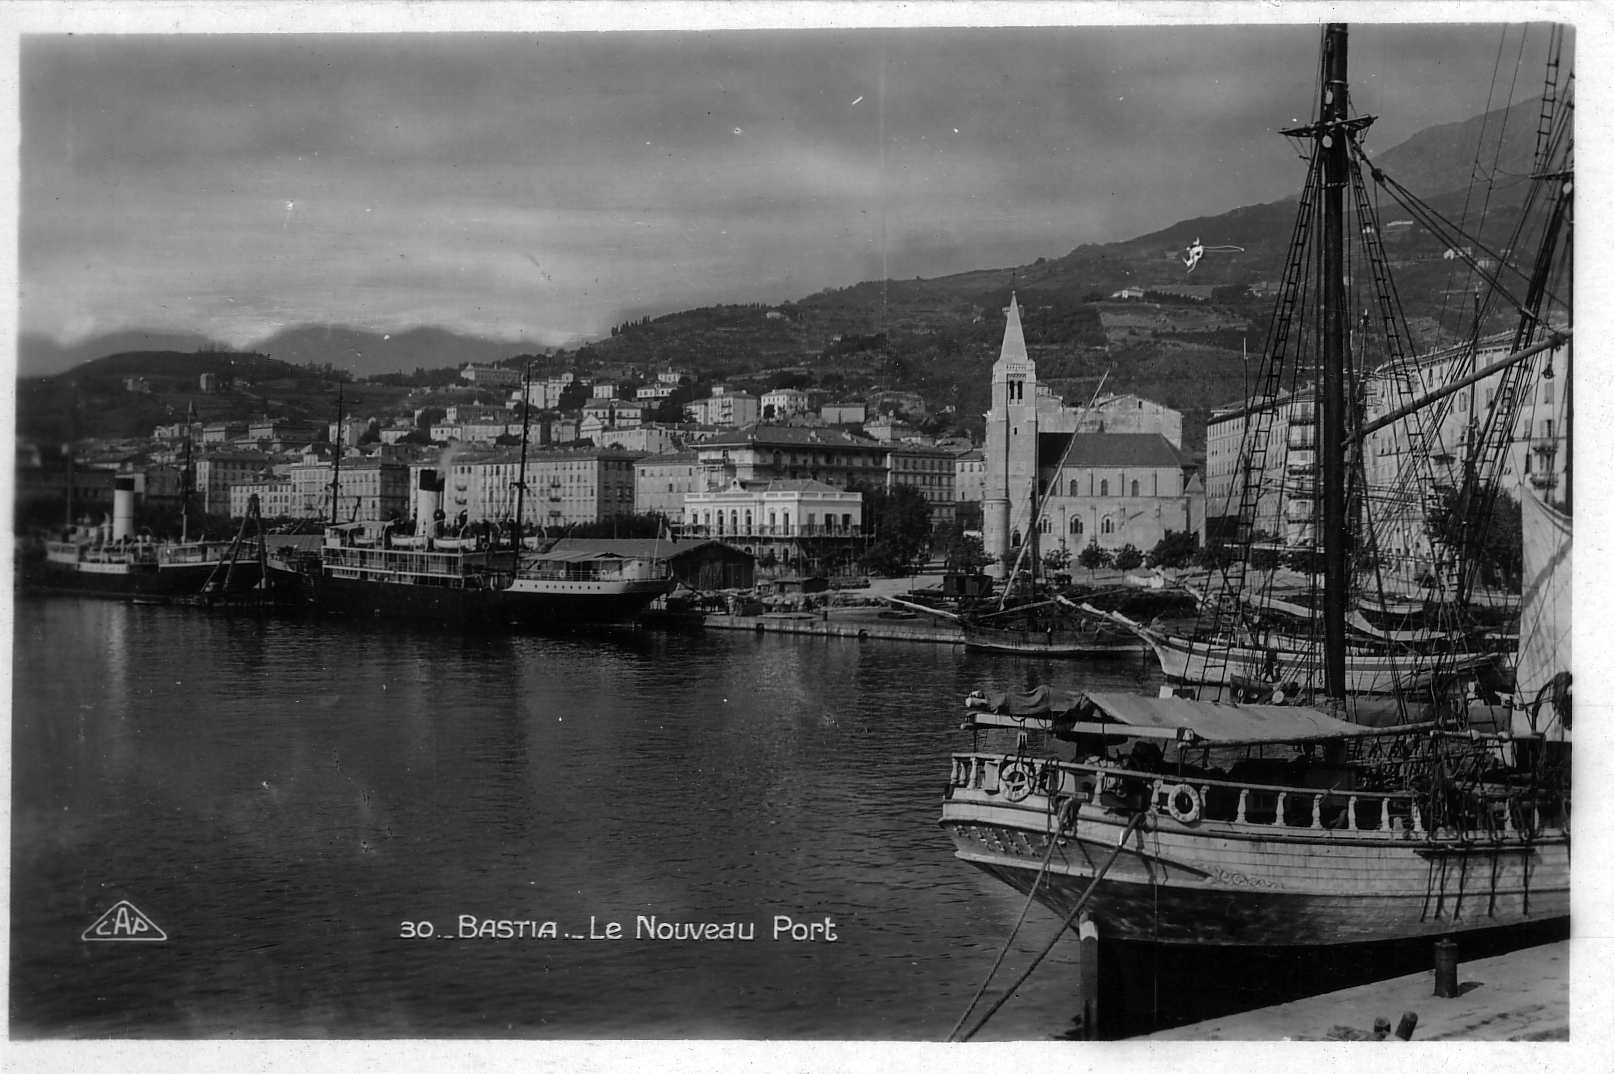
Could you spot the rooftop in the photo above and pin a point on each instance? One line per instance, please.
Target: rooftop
(1122, 449)
(789, 436)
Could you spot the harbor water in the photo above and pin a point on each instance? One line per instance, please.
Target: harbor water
(345, 830)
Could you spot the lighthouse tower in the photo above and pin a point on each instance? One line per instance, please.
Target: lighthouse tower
(1011, 447)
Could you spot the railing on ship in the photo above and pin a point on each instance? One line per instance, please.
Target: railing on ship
(1238, 802)
(396, 561)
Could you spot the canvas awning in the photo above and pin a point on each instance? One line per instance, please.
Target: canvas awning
(1214, 722)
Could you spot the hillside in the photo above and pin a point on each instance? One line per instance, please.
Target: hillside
(93, 401)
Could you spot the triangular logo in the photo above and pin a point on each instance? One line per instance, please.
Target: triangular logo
(124, 922)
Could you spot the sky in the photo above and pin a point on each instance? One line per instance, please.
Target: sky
(543, 186)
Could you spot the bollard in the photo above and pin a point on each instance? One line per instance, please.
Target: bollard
(1445, 968)
(1087, 979)
(1381, 1028)
(1409, 1022)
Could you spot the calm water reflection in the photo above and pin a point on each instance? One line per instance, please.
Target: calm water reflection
(282, 797)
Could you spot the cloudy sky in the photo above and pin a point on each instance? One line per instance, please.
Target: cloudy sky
(544, 185)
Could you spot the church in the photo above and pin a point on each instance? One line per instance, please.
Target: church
(1110, 474)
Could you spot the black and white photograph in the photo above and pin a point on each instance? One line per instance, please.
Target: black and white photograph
(797, 523)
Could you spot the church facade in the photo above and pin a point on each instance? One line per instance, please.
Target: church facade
(1062, 472)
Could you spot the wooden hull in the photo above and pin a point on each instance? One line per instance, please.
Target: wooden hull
(1214, 883)
(1063, 643)
(1206, 663)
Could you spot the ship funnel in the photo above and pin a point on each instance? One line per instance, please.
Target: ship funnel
(123, 505)
(428, 504)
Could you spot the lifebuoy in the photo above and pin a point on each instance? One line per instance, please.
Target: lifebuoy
(1016, 780)
(1183, 803)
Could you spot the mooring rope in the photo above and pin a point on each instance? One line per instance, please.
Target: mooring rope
(1053, 841)
(1132, 825)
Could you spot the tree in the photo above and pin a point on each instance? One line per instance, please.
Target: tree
(1093, 557)
(1265, 559)
(1056, 561)
(1174, 549)
(899, 521)
(1128, 558)
(968, 513)
(573, 396)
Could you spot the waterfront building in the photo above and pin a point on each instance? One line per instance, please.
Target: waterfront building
(1286, 501)
(367, 490)
(662, 481)
(969, 476)
(1405, 477)
(563, 485)
(276, 498)
(216, 471)
(1113, 489)
(776, 452)
(697, 564)
(790, 521)
(929, 469)
(1291, 436)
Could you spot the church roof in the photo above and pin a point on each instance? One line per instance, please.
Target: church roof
(1014, 340)
(1122, 449)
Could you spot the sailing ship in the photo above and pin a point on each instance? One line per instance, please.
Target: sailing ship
(1219, 824)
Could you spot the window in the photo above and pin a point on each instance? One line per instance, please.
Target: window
(1134, 487)
(1104, 489)
(1109, 525)
(1075, 526)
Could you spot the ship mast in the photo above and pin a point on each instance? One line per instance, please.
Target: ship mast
(1332, 136)
(521, 474)
(187, 481)
(336, 456)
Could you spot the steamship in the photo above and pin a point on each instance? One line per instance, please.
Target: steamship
(475, 578)
(111, 560)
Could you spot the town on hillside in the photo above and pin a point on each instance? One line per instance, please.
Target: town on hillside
(801, 480)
